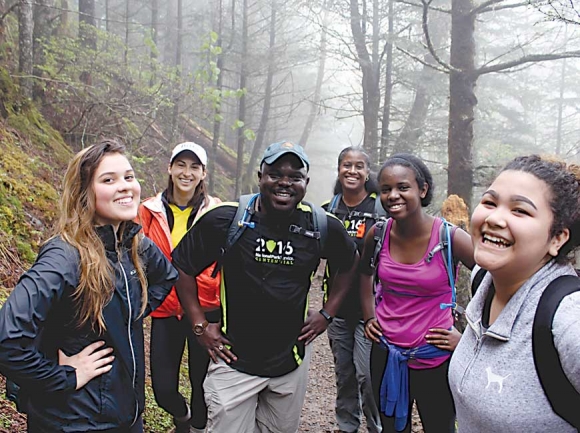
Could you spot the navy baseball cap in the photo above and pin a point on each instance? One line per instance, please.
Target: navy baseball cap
(276, 150)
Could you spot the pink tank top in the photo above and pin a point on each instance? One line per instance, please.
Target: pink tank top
(408, 303)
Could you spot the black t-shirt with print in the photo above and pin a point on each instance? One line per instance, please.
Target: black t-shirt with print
(356, 227)
(266, 278)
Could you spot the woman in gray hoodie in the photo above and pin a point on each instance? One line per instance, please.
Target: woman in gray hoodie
(524, 229)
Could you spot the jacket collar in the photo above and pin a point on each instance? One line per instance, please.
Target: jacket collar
(502, 328)
(107, 234)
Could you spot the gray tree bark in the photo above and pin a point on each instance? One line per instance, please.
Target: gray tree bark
(25, 33)
(315, 103)
(42, 29)
(87, 35)
(370, 67)
(242, 101)
(385, 124)
(259, 143)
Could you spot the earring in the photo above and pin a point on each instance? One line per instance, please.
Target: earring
(367, 178)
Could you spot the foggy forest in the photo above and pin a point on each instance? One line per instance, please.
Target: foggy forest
(465, 84)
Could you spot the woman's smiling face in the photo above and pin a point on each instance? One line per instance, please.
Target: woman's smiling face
(510, 226)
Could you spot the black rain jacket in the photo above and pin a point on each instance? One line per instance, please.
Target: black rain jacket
(40, 317)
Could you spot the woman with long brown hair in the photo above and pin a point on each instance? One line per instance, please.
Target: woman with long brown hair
(71, 331)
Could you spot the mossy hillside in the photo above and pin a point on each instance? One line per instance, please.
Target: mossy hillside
(23, 116)
(28, 198)
(32, 157)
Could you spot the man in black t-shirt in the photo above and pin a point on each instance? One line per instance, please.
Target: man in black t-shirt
(260, 348)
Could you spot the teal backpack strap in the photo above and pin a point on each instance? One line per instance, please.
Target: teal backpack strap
(333, 205)
(445, 245)
(561, 394)
(242, 220)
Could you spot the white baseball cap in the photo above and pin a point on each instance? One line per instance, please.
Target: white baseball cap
(192, 147)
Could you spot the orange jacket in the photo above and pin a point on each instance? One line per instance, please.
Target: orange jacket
(153, 218)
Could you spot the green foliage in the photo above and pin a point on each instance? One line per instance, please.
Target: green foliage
(156, 420)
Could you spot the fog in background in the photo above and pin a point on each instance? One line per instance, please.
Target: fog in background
(466, 85)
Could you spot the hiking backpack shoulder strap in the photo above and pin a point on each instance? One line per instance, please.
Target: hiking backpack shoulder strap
(561, 394)
(476, 282)
(379, 211)
(333, 205)
(379, 238)
(241, 220)
(320, 222)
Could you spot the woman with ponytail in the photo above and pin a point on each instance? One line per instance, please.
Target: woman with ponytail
(525, 230)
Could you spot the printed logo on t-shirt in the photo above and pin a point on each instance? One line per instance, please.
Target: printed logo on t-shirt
(271, 251)
(353, 227)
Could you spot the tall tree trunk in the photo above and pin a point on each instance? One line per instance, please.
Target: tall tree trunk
(107, 16)
(25, 32)
(42, 20)
(259, 143)
(178, 61)
(370, 67)
(560, 108)
(169, 35)
(242, 100)
(217, 115)
(127, 28)
(408, 139)
(388, 86)
(154, 37)
(87, 34)
(462, 100)
(315, 103)
(63, 19)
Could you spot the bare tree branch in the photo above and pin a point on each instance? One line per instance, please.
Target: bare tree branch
(10, 9)
(480, 10)
(418, 5)
(430, 46)
(423, 62)
(526, 59)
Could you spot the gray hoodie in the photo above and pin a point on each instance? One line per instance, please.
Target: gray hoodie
(492, 374)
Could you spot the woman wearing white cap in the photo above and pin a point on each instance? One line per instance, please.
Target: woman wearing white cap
(165, 219)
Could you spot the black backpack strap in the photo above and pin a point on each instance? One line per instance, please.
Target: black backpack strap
(320, 223)
(562, 395)
(379, 238)
(242, 219)
(476, 282)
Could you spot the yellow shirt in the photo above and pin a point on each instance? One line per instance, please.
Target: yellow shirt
(180, 218)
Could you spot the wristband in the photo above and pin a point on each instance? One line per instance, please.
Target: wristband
(213, 316)
(368, 320)
(325, 314)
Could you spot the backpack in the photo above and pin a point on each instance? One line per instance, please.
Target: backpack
(243, 220)
(561, 394)
(445, 245)
(379, 211)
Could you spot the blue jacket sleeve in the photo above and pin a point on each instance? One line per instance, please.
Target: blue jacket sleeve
(161, 275)
(24, 314)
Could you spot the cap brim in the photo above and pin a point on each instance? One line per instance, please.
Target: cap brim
(273, 158)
